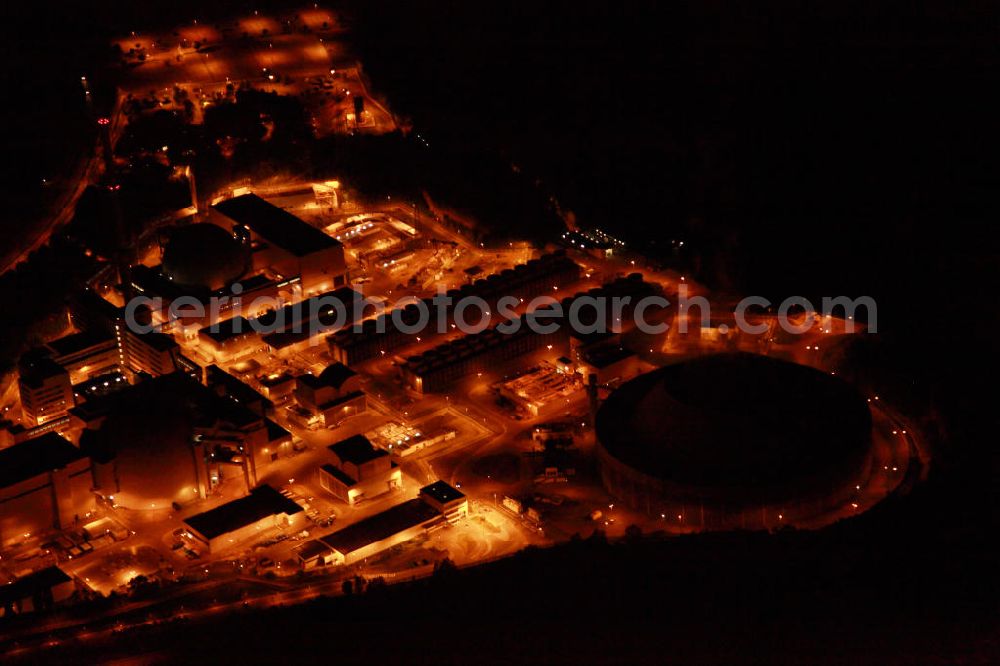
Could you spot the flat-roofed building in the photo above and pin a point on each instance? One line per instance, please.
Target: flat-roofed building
(44, 485)
(437, 368)
(383, 530)
(37, 591)
(359, 471)
(315, 553)
(89, 311)
(227, 385)
(383, 334)
(232, 523)
(448, 501)
(277, 385)
(188, 308)
(229, 339)
(45, 388)
(152, 353)
(284, 243)
(285, 329)
(333, 395)
(611, 364)
(15, 433)
(85, 354)
(436, 505)
(279, 443)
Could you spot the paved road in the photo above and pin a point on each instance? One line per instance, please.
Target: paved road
(62, 212)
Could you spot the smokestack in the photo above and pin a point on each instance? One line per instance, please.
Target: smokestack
(123, 240)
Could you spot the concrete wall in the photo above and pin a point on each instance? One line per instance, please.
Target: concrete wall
(255, 530)
(54, 500)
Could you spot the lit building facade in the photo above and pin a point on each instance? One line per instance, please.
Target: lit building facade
(46, 389)
(45, 484)
(359, 471)
(283, 243)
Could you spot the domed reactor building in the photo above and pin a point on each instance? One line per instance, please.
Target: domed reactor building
(734, 441)
(170, 440)
(145, 453)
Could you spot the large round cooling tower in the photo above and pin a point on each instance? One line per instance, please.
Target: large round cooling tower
(732, 430)
(203, 256)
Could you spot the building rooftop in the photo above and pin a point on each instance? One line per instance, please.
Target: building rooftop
(35, 368)
(334, 376)
(260, 503)
(75, 343)
(343, 477)
(200, 403)
(275, 431)
(442, 492)
(93, 303)
(279, 341)
(101, 385)
(36, 456)
(357, 450)
(270, 381)
(324, 308)
(276, 225)
(185, 254)
(342, 400)
(156, 340)
(380, 526)
(233, 387)
(223, 331)
(524, 279)
(311, 549)
(32, 584)
(602, 357)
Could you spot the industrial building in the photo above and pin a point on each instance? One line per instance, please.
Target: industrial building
(215, 304)
(154, 353)
(169, 440)
(277, 385)
(89, 311)
(402, 441)
(232, 523)
(38, 591)
(608, 324)
(381, 335)
(283, 243)
(448, 501)
(435, 505)
(375, 337)
(611, 364)
(85, 354)
(333, 395)
(45, 388)
(225, 384)
(286, 329)
(52, 377)
(542, 390)
(45, 484)
(438, 368)
(359, 471)
(184, 257)
(229, 339)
